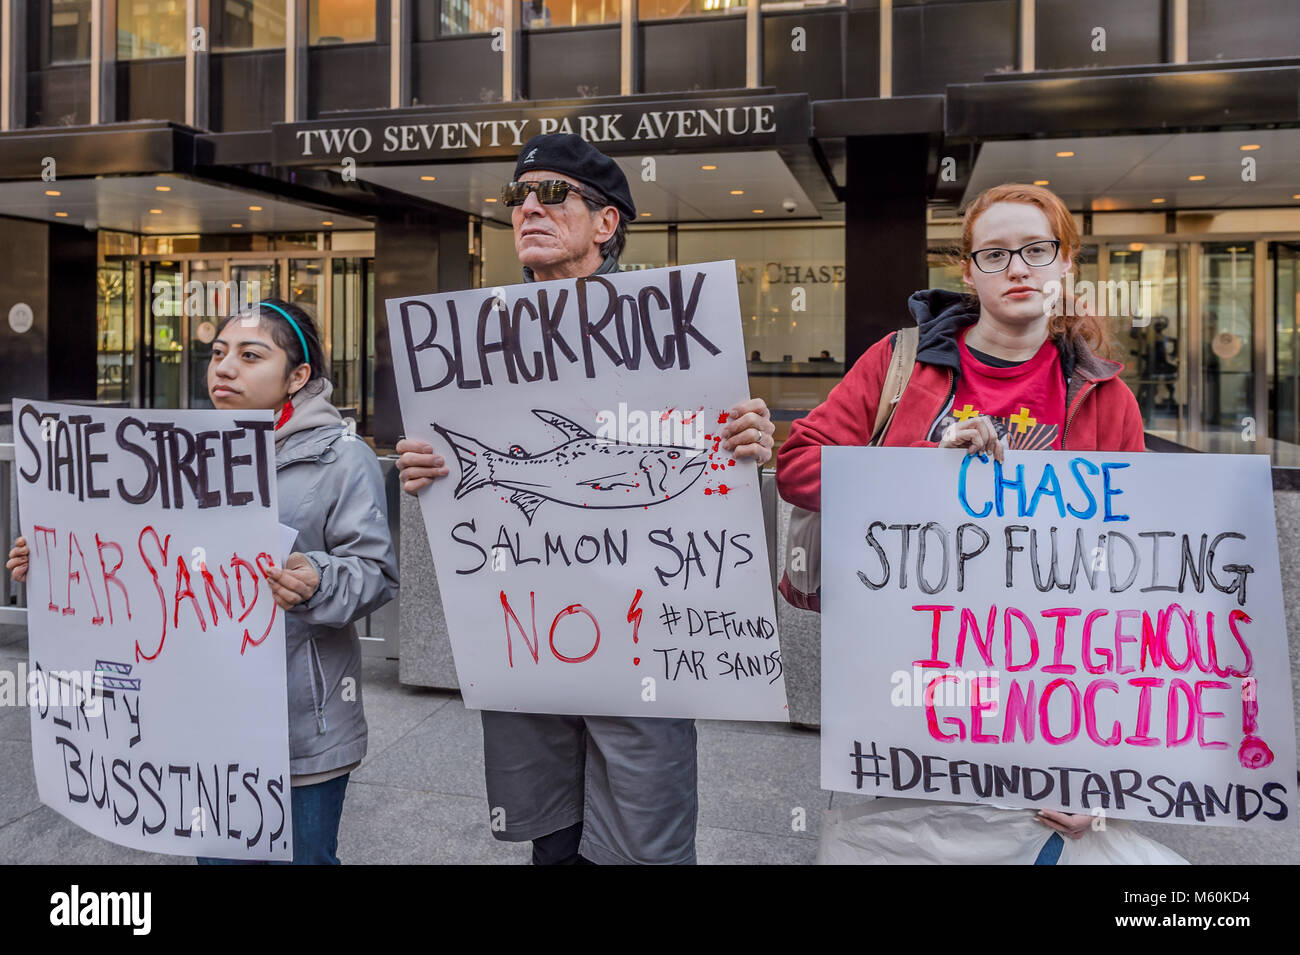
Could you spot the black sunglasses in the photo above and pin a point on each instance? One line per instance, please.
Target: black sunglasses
(550, 192)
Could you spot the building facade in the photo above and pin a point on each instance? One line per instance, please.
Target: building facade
(162, 161)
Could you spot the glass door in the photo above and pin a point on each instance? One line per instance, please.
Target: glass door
(209, 273)
(1146, 315)
(115, 318)
(254, 281)
(348, 323)
(1228, 343)
(1286, 310)
(164, 334)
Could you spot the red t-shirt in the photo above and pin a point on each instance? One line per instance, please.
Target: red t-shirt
(1025, 401)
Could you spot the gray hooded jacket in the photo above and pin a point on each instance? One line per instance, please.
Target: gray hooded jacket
(330, 490)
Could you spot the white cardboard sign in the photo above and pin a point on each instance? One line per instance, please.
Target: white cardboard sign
(597, 551)
(156, 680)
(1083, 631)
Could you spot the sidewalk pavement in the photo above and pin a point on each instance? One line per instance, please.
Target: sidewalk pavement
(419, 796)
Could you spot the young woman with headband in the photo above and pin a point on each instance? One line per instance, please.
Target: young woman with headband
(329, 489)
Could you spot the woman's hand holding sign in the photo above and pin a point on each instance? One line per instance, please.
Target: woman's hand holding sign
(749, 432)
(293, 583)
(977, 435)
(19, 555)
(1071, 824)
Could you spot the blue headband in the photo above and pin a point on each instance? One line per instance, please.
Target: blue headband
(292, 324)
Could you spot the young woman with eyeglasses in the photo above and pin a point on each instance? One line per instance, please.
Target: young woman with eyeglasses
(1004, 366)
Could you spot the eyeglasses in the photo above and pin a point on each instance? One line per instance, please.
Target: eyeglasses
(1036, 254)
(550, 192)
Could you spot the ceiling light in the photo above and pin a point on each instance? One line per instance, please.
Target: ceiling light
(737, 192)
(236, 225)
(757, 212)
(708, 167)
(644, 214)
(490, 199)
(1157, 201)
(162, 188)
(53, 192)
(327, 222)
(1248, 147)
(61, 215)
(155, 212)
(1195, 178)
(254, 208)
(1041, 182)
(429, 178)
(1064, 154)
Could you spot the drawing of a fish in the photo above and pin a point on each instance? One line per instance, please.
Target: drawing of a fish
(584, 471)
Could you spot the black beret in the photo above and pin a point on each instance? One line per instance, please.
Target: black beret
(575, 157)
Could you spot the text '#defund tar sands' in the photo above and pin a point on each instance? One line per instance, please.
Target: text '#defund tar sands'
(594, 327)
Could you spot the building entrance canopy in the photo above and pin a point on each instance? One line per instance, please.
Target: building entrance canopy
(149, 178)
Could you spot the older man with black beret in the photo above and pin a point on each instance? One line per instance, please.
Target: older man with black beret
(587, 789)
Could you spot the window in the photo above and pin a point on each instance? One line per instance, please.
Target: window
(673, 9)
(150, 28)
(247, 25)
(791, 287)
(540, 14)
(340, 21)
(469, 16)
(69, 31)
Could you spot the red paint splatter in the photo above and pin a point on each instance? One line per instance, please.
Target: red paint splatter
(708, 490)
(731, 463)
(723, 489)
(722, 418)
(713, 466)
(634, 618)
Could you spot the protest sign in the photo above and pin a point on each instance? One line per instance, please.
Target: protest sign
(157, 657)
(597, 551)
(1087, 632)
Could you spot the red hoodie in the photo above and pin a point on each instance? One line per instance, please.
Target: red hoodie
(1101, 412)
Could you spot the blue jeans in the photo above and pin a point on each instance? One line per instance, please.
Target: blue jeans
(316, 813)
(1050, 854)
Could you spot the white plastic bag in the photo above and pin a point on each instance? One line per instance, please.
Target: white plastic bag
(925, 832)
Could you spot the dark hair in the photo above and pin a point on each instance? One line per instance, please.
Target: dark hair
(613, 246)
(285, 337)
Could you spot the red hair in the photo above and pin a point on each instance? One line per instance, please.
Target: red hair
(1087, 328)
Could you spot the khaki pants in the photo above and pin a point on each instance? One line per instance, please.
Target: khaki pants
(631, 781)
